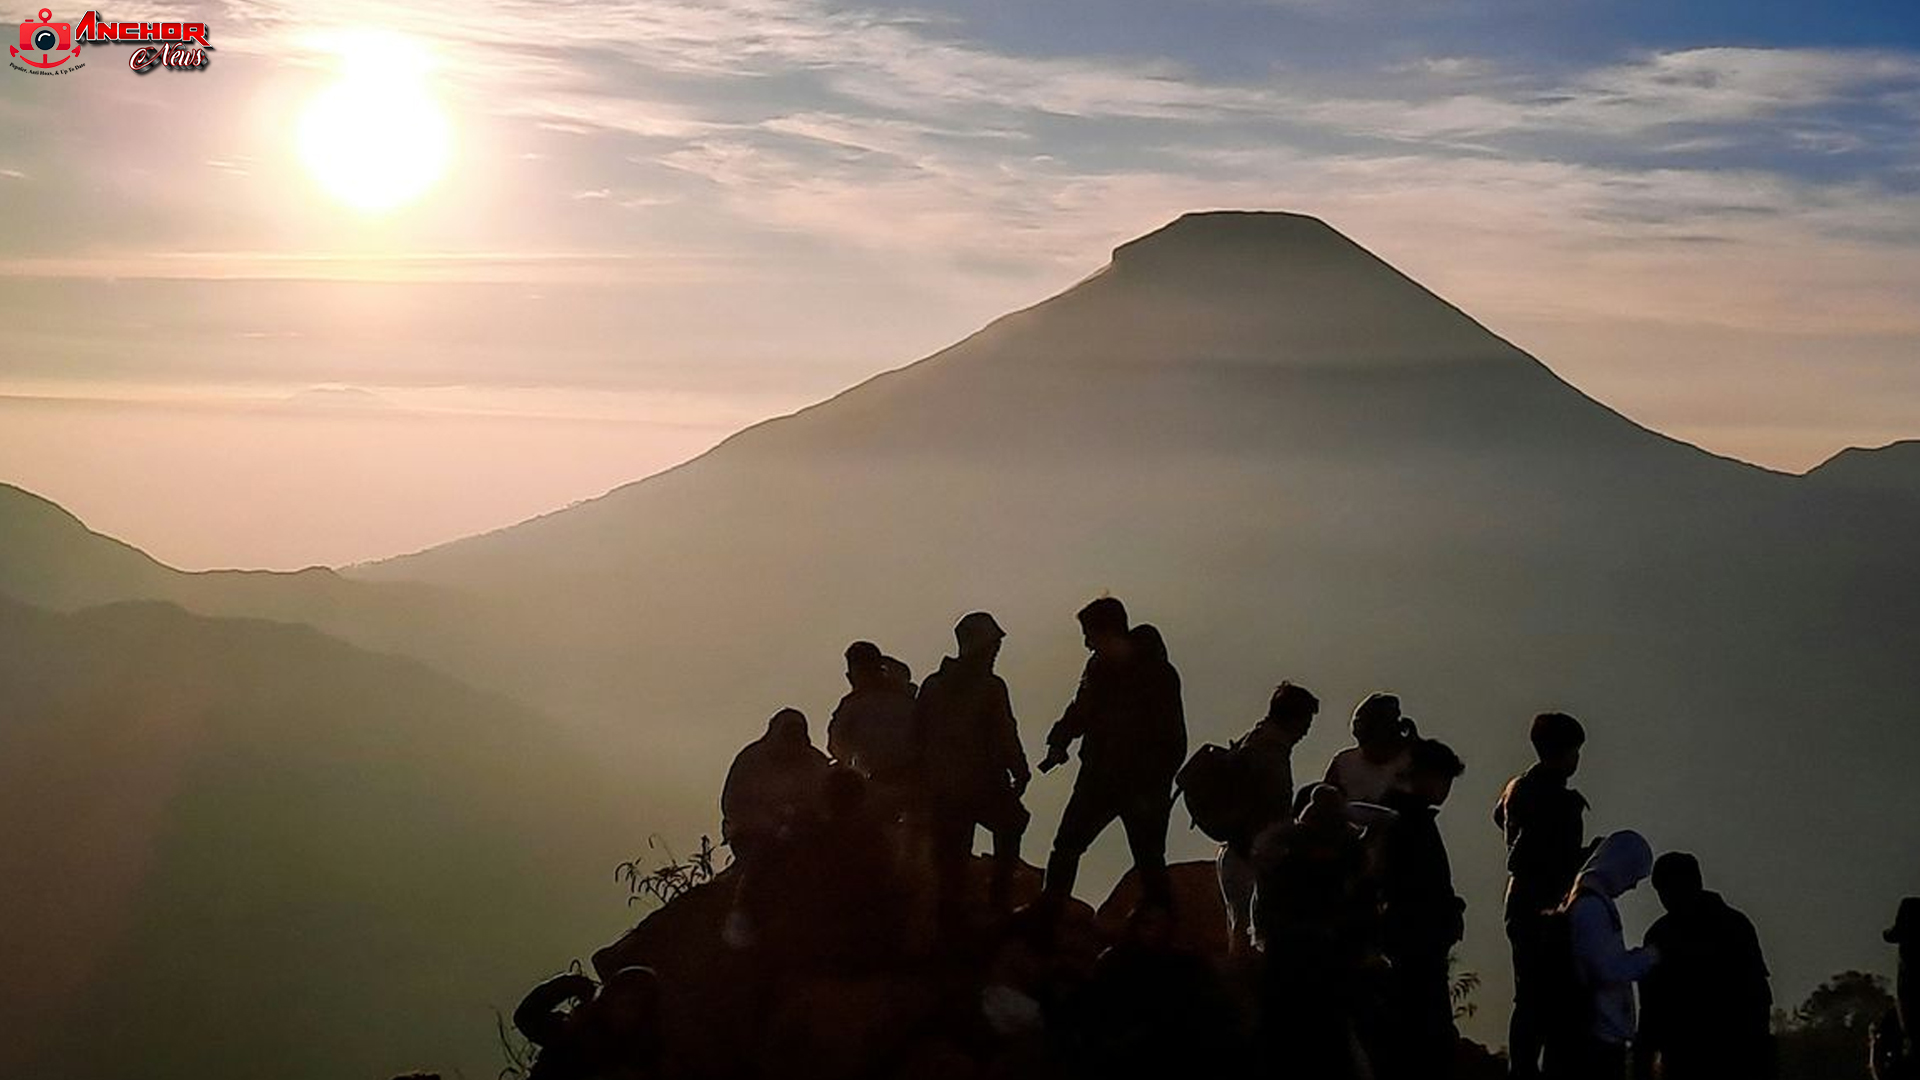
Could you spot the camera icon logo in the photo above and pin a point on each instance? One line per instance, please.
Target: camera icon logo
(45, 44)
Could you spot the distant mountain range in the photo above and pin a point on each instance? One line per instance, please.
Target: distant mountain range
(1299, 464)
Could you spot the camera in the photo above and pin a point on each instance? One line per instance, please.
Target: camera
(44, 36)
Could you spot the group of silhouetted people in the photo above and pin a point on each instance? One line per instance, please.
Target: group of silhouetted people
(1339, 894)
(939, 761)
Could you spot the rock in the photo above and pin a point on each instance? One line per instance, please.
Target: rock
(1199, 912)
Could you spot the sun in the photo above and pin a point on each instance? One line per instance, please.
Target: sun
(376, 140)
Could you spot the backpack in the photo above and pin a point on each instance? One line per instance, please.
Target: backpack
(1215, 783)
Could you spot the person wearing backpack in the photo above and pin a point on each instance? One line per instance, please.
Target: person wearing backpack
(1543, 820)
(1258, 781)
(1603, 967)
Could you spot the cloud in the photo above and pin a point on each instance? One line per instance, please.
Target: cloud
(1766, 186)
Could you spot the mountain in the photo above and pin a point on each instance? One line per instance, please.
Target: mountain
(1890, 470)
(51, 559)
(1299, 464)
(240, 848)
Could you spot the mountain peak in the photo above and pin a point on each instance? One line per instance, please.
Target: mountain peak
(1252, 287)
(1235, 239)
(1231, 228)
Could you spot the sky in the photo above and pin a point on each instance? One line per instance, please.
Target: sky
(661, 220)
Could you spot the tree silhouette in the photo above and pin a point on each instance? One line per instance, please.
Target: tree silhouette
(1826, 1036)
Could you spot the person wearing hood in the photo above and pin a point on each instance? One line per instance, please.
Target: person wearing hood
(773, 781)
(1604, 967)
(1133, 733)
(978, 770)
(1705, 1011)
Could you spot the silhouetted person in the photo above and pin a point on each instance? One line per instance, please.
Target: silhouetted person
(896, 671)
(1705, 1010)
(773, 781)
(1544, 823)
(1127, 713)
(977, 769)
(1377, 762)
(609, 1032)
(872, 729)
(1604, 968)
(1421, 919)
(835, 899)
(1895, 1050)
(1267, 754)
(1315, 922)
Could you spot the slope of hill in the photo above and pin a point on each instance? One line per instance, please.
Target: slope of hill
(240, 849)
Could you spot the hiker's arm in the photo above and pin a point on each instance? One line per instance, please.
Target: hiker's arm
(1602, 953)
(536, 1017)
(836, 735)
(1071, 725)
(1012, 754)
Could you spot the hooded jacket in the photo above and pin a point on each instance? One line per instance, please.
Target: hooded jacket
(1606, 968)
(1130, 716)
(774, 779)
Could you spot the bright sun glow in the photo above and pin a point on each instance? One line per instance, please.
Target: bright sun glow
(376, 139)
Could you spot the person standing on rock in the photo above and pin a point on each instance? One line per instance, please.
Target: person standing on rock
(872, 729)
(1266, 755)
(976, 770)
(1127, 713)
(1604, 968)
(1421, 920)
(773, 781)
(1544, 822)
(1705, 1011)
(1377, 761)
